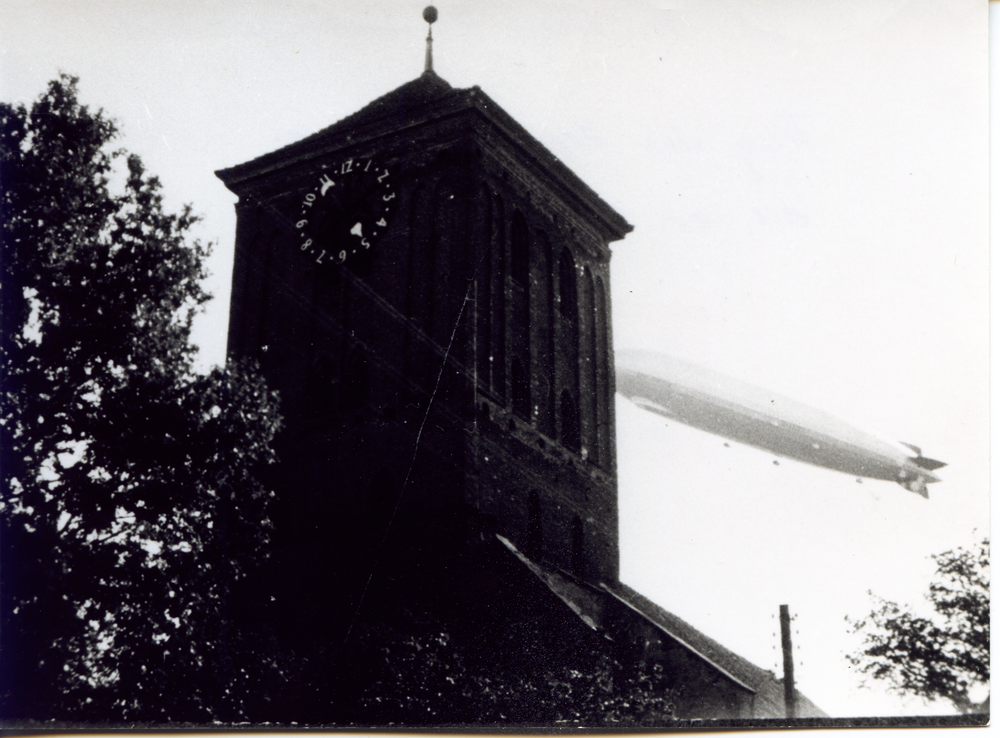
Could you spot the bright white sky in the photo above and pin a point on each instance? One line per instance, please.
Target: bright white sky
(808, 182)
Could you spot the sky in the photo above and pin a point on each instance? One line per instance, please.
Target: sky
(808, 183)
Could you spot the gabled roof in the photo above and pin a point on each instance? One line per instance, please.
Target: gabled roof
(414, 103)
(761, 681)
(768, 689)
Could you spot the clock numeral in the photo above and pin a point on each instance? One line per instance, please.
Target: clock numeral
(383, 175)
(345, 168)
(302, 224)
(368, 164)
(319, 259)
(364, 242)
(308, 202)
(381, 222)
(342, 256)
(388, 197)
(326, 182)
(306, 244)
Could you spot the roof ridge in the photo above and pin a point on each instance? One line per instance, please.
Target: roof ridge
(764, 681)
(411, 95)
(425, 88)
(675, 619)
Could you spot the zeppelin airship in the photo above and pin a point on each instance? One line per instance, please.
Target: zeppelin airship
(741, 412)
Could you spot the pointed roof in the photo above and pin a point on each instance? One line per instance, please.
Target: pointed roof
(399, 105)
(426, 99)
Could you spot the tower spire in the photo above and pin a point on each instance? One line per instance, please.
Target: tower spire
(430, 15)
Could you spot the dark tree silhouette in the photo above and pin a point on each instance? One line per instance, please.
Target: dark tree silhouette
(423, 676)
(942, 656)
(130, 501)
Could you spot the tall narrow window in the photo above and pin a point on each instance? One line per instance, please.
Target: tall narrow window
(567, 286)
(520, 318)
(484, 308)
(498, 367)
(544, 309)
(568, 372)
(590, 366)
(519, 250)
(603, 373)
(569, 413)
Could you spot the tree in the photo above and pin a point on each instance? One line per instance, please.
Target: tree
(945, 655)
(130, 496)
(420, 674)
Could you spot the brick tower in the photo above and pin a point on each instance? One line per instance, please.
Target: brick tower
(427, 288)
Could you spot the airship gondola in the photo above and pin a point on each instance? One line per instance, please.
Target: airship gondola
(742, 412)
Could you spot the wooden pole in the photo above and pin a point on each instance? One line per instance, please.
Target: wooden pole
(789, 662)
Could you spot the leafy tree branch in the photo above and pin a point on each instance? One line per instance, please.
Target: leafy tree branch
(130, 494)
(944, 655)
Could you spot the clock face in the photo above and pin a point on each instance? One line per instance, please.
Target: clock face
(345, 211)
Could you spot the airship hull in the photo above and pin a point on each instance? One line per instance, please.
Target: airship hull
(750, 415)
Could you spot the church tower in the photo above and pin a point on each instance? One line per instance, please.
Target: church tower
(427, 287)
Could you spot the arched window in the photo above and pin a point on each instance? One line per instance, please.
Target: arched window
(567, 286)
(520, 318)
(545, 337)
(519, 250)
(569, 414)
(568, 337)
(484, 308)
(498, 367)
(603, 372)
(590, 393)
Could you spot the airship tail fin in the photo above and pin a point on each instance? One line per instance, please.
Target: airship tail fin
(929, 464)
(922, 461)
(917, 485)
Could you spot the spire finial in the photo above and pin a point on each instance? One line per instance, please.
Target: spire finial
(430, 15)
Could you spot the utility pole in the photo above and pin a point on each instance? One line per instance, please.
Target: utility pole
(789, 662)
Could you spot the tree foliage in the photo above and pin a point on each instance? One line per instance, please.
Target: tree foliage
(130, 498)
(423, 676)
(945, 655)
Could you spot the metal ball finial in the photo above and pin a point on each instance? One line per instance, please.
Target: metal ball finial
(430, 15)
